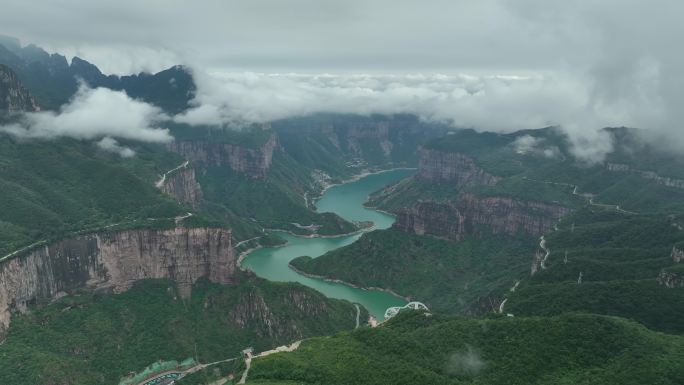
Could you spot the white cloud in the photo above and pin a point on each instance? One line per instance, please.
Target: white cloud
(94, 114)
(528, 144)
(111, 145)
(486, 103)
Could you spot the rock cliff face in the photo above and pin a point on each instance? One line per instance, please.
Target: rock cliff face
(114, 261)
(182, 185)
(378, 131)
(13, 96)
(254, 162)
(452, 168)
(473, 215)
(665, 181)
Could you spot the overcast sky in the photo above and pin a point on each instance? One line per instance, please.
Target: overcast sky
(490, 64)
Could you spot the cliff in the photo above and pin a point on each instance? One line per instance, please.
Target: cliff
(665, 181)
(254, 162)
(473, 215)
(114, 261)
(13, 96)
(182, 185)
(452, 168)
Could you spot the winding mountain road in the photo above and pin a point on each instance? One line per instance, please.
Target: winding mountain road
(160, 182)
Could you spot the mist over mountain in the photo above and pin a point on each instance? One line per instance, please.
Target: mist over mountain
(336, 192)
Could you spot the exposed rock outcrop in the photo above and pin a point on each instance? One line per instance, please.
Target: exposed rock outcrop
(665, 181)
(182, 185)
(474, 215)
(452, 168)
(14, 97)
(114, 261)
(677, 253)
(254, 162)
(671, 279)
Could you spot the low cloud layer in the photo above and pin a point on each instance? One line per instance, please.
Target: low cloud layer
(95, 114)
(495, 103)
(582, 65)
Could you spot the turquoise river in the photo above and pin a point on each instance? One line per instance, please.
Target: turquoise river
(346, 200)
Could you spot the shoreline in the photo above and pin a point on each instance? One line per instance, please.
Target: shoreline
(355, 178)
(335, 280)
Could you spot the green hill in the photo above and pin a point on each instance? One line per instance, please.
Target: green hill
(415, 348)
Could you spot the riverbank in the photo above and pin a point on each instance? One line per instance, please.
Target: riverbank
(346, 200)
(335, 280)
(356, 178)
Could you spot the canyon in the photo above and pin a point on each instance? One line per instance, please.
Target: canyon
(114, 261)
(462, 213)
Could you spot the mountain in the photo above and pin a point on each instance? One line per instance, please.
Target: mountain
(53, 80)
(424, 348)
(489, 225)
(99, 338)
(14, 97)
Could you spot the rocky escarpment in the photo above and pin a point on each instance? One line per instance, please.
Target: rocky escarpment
(665, 181)
(474, 215)
(254, 162)
(13, 96)
(114, 261)
(182, 185)
(452, 168)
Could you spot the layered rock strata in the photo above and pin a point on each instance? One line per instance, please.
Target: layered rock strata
(114, 262)
(452, 168)
(473, 215)
(254, 162)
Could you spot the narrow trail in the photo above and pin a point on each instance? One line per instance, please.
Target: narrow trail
(588, 196)
(280, 349)
(177, 220)
(542, 245)
(512, 289)
(160, 182)
(358, 315)
(245, 241)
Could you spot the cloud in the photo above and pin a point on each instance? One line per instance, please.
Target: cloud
(94, 114)
(466, 363)
(528, 144)
(111, 145)
(499, 103)
(579, 64)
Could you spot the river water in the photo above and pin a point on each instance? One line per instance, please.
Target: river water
(345, 200)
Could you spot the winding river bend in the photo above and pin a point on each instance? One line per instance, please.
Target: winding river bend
(346, 200)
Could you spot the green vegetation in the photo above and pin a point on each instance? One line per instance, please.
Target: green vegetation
(92, 338)
(414, 348)
(619, 257)
(455, 277)
(274, 202)
(51, 189)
